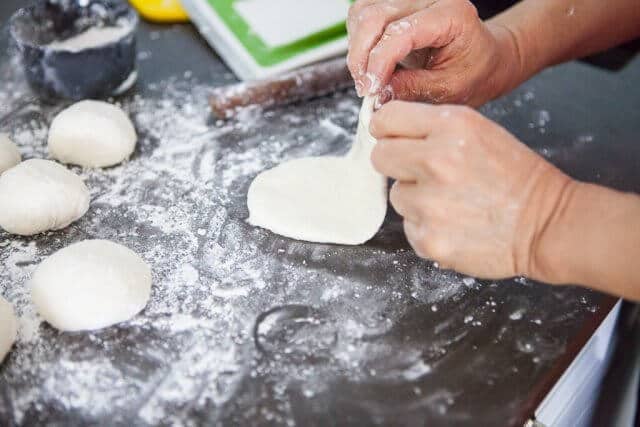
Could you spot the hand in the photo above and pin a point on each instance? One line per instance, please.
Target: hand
(473, 197)
(456, 57)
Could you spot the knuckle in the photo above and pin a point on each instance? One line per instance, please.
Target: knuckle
(438, 249)
(426, 162)
(470, 9)
(395, 195)
(464, 113)
(398, 27)
(467, 7)
(371, 13)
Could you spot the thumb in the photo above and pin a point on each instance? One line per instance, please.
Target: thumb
(417, 85)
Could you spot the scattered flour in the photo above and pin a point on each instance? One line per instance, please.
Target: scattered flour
(199, 353)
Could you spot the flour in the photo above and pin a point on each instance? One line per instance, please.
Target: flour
(93, 37)
(191, 357)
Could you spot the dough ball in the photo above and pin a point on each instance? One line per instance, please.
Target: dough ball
(9, 154)
(92, 134)
(91, 285)
(8, 328)
(40, 195)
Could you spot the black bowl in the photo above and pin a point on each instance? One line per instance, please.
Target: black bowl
(96, 71)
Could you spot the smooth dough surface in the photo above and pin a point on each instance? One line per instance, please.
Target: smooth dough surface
(9, 154)
(91, 285)
(324, 199)
(8, 328)
(92, 134)
(40, 195)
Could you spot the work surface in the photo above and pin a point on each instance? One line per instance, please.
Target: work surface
(245, 327)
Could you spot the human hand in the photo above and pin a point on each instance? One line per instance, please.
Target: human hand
(453, 56)
(473, 197)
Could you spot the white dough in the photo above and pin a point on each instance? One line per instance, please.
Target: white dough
(324, 199)
(40, 195)
(91, 285)
(92, 134)
(8, 328)
(9, 154)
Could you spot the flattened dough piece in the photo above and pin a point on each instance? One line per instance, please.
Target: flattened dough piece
(324, 199)
(92, 134)
(9, 154)
(40, 195)
(91, 285)
(8, 328)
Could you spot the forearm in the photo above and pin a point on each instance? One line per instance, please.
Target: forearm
(548, 32)
(592, 238)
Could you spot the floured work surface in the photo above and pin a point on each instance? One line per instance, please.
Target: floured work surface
(246, 327)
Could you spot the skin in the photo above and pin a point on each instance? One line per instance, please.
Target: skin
(473, 197)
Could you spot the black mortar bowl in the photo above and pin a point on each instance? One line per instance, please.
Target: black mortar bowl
(93, 72)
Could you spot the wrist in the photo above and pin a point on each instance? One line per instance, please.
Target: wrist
(509, 70)
(591, 239)
(548, 203)
(552, 249)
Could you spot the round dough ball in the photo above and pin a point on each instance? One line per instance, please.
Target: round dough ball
(92, 134)
(91, 285)
(9, 154)
(8, 328)
(40, 195)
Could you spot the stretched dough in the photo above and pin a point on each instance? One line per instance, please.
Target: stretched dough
(8, 328)
(90, 285)
(40, 195)
(9, 154)
(324, 199)
(92, 134)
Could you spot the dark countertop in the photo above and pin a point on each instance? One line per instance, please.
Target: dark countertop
(246, 327)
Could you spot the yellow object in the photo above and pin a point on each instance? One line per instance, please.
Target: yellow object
(161, 10)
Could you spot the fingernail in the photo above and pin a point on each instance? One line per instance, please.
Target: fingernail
(386, 95)
(359, 88)
(373, 86)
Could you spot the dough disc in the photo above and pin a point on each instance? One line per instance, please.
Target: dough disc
(324, 199)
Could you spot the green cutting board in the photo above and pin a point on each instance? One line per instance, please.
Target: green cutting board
(262, 53)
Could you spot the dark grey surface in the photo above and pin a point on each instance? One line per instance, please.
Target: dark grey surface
(491, 373)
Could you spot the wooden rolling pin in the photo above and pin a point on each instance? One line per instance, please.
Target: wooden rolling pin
(309, 82)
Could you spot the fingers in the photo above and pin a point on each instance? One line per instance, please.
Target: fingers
(422, 85)
(427, 28)
(366, 23)
(398, 159)
(410, 120)
(405, 198)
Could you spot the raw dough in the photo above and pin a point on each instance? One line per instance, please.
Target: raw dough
(40, 195)
(9, 154)
(91, 285)
(8, 328)
(92, 134)
(324, 199)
